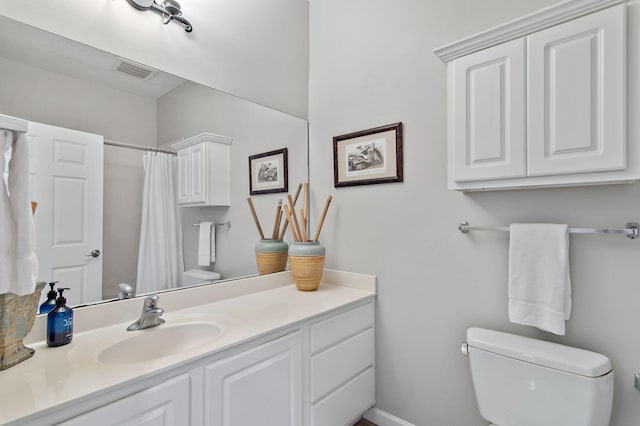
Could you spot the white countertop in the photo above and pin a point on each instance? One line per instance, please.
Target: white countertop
(61, 375)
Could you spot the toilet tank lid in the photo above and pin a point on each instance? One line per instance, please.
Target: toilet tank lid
(539, 352)
(201, 274)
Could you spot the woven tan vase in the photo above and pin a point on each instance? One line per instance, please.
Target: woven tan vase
(307, 264)
(271, 256)
(17, 314)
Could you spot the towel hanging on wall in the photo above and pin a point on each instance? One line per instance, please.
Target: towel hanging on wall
(539, 281)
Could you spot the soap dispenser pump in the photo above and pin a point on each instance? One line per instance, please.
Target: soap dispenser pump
(60, 322)
(50, 303)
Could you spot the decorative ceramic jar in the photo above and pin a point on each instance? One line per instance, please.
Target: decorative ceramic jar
(307, 264)
(17, 314)
(271, 256)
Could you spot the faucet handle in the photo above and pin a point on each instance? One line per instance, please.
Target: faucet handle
(151, 301)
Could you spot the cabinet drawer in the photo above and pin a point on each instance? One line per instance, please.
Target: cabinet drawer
(346, 403)
(330, 331)
(338, 364)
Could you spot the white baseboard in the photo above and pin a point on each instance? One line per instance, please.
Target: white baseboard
(382, 418)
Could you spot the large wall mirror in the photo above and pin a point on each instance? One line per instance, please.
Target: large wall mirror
(58, 82)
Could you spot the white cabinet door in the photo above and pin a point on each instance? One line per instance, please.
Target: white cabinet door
(576, 87)
(167, 404)
(258, 387)
(197, 163)
(184, 183)
(488, 111)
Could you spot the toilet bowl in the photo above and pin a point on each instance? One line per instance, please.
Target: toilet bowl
(199, 276)
(519, 381)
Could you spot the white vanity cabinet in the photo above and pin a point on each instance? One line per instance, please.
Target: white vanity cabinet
(545, 109)
(341, 367)
(204, 170)
(166, 404)
(260, 386)
(315, 372)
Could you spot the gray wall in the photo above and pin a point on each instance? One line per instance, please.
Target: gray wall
(372, 64)
(46, 97)
(254, 129)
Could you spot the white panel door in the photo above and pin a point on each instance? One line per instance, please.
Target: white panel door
(576, 114)
(167, 404)
(66, 176)
(259, 387)
(488, 113)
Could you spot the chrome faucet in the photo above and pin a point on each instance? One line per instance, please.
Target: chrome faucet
(126, 291)
(150, 316)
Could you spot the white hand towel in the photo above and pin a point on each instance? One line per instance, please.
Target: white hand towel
(204, 244)
(18, 263)
(539, 282)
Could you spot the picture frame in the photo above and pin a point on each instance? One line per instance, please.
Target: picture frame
(368, 157)
(269, 172)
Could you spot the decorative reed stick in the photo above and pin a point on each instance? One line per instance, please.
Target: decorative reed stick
(305, 236)
(286, 223)
(305, 210)
(255, 218)
(324, 214)
(294, 224)
(290, 220)
(274, 233)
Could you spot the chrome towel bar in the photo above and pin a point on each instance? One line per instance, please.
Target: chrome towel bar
(631, 231)
(227, 224)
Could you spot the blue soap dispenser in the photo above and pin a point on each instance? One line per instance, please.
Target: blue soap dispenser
(50, 303)
(60, 322)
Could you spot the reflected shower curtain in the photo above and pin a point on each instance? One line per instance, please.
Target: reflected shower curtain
(160, 263)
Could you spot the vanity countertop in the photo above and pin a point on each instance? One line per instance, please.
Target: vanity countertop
(243, 309)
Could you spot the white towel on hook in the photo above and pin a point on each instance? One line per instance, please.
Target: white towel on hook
(18, 262)
(205, 242)
(539, 281)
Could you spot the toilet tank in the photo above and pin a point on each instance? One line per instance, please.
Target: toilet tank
(519, 381)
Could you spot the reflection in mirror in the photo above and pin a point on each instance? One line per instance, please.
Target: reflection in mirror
(77, 90)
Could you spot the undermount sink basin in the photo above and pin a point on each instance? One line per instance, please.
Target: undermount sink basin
(158, 342)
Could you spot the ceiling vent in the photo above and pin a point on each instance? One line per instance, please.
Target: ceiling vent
(134, 70)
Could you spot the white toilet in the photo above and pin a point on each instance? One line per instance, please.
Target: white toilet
(199, 276)
(519, 381)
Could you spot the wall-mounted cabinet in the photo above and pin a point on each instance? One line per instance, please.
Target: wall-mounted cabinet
(204, 177)
(545, 108)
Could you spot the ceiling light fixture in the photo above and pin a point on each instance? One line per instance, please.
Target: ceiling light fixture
(169, 9)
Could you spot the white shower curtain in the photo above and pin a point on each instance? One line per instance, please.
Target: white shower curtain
(160, 263)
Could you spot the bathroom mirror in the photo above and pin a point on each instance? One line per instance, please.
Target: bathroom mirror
(56, 81)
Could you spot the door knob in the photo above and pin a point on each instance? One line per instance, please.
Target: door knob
(94, 253)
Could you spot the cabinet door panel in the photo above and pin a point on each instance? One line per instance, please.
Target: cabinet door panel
(488, 112)
(576, 95)
(183, 176)
(262, 386)
(197, 158)
(163, 405)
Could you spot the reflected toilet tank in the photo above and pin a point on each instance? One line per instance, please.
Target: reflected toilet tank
(519, 381)
(199, 276)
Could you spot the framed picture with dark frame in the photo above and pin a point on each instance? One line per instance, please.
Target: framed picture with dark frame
(368, 156)
(269, 172)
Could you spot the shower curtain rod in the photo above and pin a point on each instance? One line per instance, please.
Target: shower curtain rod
(139, 147)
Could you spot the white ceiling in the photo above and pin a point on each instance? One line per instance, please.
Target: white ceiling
(31, 46)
